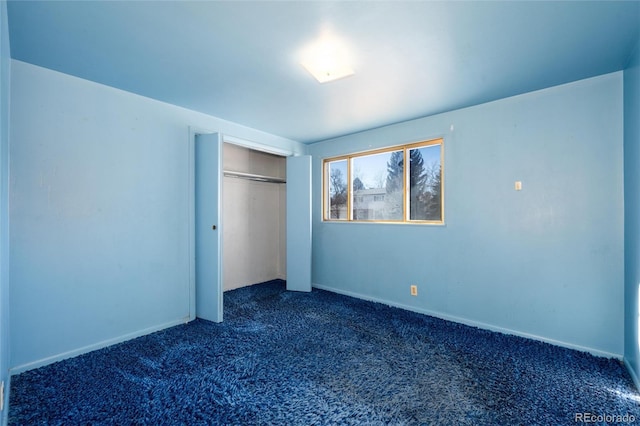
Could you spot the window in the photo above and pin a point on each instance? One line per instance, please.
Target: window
(375, 186)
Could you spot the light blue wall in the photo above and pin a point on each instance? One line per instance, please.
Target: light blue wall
(100, 213)
(546, 262)
(5, 61)
(632, 212)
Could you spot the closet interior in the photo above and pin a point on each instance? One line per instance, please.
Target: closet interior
(253, 214)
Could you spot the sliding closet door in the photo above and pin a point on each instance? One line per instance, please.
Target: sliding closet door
(299, 223)
(208, 191)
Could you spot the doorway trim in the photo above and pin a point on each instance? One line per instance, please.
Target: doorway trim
(257, 146)
(193, 131)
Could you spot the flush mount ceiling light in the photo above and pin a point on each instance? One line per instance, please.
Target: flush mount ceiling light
(327, 59)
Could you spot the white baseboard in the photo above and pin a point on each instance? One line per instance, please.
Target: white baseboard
(73, 353)
(471, 323)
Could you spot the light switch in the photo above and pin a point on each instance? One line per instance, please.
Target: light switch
(518, 185)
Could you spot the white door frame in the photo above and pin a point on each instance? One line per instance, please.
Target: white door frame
(193, 131)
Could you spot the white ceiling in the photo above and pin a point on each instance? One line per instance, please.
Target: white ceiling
(240, 60)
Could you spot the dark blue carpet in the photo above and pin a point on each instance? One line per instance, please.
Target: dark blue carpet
(321, 359)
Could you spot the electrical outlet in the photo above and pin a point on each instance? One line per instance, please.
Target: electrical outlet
(414, 290)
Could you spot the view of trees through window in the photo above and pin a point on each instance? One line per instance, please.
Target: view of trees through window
(376, 187)
(425, 183)
(338, 189)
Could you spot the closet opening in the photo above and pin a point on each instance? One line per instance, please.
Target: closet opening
(254, 216)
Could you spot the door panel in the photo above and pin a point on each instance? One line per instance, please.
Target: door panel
(208, 253)
(299, 223)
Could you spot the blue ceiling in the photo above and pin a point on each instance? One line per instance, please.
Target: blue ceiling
(240, 60)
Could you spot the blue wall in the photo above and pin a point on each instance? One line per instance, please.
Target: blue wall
(100, 213)
(545, 262)
(632, 212)
(5, 62)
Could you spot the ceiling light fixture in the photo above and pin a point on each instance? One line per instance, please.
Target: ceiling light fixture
(327, 59)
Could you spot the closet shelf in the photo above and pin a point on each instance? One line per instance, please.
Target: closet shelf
(253, 176)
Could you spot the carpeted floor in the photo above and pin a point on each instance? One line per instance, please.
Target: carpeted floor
(284, 358)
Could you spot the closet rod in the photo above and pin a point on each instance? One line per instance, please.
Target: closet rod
(253, 176)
